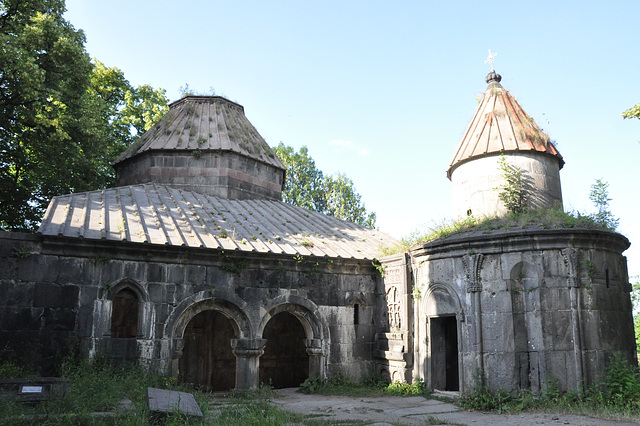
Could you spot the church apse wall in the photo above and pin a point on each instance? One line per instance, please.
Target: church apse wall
(524, 308)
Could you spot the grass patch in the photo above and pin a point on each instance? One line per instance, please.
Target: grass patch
(546, 219)
(617, 398)
(371, 386)
(99, 387)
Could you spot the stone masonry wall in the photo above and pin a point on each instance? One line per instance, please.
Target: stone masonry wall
(532, 307)
(221, 173)
(54, 288)
(474, 184)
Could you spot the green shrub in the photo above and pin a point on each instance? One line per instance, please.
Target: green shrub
(417, 387)
(622, 384)
(482, 398)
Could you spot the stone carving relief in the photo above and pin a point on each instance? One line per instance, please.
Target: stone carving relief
(571, 256)
(472, 267)
(393, 308)
(392, 275)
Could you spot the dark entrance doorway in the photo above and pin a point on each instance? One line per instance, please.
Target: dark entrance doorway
(285, 362)
(443, 334)
(207, 359)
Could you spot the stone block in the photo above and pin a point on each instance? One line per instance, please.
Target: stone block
(54, 295)
(59, 319)
(16, 293)
(157, 292)
(85, 321)
(156, 272)
(549, 299)
(38, 268)
(497, 332)
(136, 271)
(111, 272)
(558, 330)
(195, 275)
(87, 294)
(175, 274)
(499, 370)
(18, 318)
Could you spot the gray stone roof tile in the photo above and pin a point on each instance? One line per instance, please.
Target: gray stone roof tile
(204, 123)
(158, 214)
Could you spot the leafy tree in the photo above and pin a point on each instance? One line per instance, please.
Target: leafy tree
(62, 118)
(635, 300)
(599, 195)
(344, 202)
(307, 187)
(632, 112)
(121, 112)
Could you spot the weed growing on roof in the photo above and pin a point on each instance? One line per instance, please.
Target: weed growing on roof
(553, 218)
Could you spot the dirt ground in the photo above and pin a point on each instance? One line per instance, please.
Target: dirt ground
(414, 410)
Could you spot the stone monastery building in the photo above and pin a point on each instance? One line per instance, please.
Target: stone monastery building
(193, 266)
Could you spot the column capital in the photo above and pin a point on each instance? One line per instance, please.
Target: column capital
(248, 348)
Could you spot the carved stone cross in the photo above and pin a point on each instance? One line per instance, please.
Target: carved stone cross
(491, 58)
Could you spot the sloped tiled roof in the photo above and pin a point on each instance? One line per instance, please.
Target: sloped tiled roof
(157, 214)
(501, 125)
(204, 123)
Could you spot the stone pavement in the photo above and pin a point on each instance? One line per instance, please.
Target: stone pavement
(414, 410)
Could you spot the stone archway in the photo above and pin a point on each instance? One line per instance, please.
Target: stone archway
(294, 335)
(285, 362)
(443, 311)
(205, 332)
(207, 359)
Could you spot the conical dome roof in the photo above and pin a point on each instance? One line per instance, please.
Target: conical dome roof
(204, 123)
(501, 125)
(207, 145)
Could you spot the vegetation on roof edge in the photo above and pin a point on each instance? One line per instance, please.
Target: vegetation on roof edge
(553, 218)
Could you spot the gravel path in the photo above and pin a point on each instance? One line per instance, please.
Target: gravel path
(414, 410)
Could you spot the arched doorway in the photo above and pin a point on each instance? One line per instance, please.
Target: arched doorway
(441, 306)
(207, 359)
(444, 353)
(285, 362)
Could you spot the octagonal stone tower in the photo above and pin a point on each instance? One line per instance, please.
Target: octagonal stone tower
(204, 144)
(501, 126)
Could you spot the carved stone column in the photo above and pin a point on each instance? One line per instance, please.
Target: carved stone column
(473, 265)
(248, 353)
(314, 349)
(571, 260)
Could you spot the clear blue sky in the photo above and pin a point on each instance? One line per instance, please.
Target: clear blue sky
(383, 91)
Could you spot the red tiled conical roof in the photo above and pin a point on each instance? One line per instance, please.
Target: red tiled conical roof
(501, 125)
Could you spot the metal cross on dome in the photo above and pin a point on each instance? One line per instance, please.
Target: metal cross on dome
(491, 58)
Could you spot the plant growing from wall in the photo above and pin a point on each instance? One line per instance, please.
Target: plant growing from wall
(379, 266)
(512, 192)
(599, 195)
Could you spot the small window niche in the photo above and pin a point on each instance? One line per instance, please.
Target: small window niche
(124, 315)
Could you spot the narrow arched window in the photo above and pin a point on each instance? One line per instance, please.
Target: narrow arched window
(124, 315)
(356, 314)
